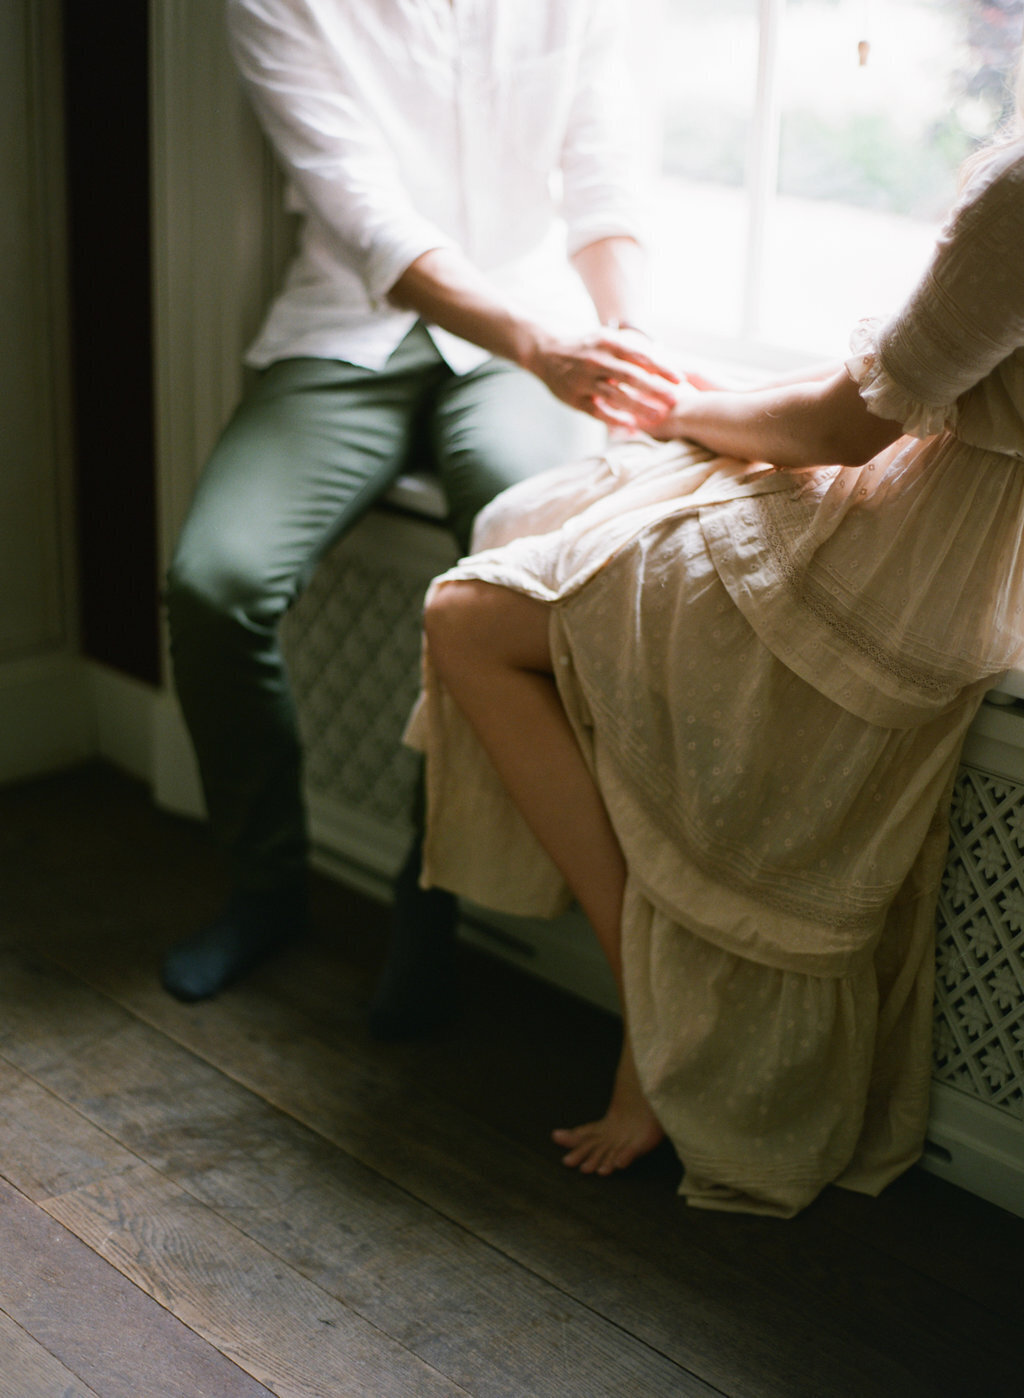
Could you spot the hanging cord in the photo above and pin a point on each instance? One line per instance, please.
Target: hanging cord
(864, 44)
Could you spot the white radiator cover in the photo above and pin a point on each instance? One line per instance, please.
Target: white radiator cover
(353, 647)
(977, 1128)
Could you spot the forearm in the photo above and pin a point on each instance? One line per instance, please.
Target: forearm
(807, 373)
(445, 289)
(614, 377)
(823, 422)
(614, 271)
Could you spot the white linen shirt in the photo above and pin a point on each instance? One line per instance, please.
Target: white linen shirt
(495, 126)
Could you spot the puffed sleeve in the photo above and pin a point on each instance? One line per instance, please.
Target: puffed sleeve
(602, 180)
(308, 105)
(965, 316)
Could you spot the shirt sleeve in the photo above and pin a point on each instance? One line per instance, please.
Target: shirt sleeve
(964, 318)
(602, 175)
(308, 106)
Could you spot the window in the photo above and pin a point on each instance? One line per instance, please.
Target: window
(809, 149)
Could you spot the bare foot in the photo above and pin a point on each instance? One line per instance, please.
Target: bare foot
(627, 1130)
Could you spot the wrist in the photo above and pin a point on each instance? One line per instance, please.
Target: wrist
(530, 344)
(617, 323)
(677, 422)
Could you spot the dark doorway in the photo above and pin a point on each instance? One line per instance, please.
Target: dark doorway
(107, 125)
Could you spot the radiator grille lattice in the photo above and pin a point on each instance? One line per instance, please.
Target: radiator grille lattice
(353, 646)
(979, 1001)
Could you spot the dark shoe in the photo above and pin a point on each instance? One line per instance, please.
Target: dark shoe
(418, 991)
(250, 928)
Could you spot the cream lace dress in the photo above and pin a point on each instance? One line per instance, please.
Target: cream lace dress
(771, 675)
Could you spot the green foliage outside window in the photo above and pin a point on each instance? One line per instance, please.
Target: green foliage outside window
(867, 158)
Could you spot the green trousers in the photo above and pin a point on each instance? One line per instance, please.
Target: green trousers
(308, 451)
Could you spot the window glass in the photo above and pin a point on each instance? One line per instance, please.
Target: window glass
(706, 59)
(861, 119)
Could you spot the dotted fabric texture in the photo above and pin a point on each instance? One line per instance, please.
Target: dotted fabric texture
(353, 646)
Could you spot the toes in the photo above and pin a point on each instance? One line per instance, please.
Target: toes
(601, 1156)
(580, 1153)
(592, 1160)
(582, 1143)
(597, 1149)
(615, 1156)
(625, 1156)
(590, 1150)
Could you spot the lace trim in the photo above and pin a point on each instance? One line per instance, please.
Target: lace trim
(814, 598)
(882, 395)
(849, 908)
(821, 910)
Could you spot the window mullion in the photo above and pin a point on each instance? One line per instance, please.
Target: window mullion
(763, 161)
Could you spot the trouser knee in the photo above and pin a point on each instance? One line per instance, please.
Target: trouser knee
(213, 604)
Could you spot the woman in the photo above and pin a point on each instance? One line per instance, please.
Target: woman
(722, 704)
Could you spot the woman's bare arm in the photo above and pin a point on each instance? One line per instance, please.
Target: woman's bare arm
(816, 423)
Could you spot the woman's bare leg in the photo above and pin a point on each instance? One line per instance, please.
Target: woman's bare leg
(491, 649)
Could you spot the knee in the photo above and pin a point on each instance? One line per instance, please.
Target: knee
(455, 621)
(214, 590)
(476, 629)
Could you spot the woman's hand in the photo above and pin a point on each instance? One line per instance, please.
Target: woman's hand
(672, 427)
(614, 375)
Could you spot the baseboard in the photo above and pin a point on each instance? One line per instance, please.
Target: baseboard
(563, 951)
(174, 775)
(123, 711)
(977, 1147)
(46, 715)
(61, 709)
(372, 847)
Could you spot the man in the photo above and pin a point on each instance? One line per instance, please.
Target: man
(431, 146)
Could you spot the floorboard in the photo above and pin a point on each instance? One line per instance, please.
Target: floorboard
(30, 1371)
(389, 1258)
(239, 1297)
(321, 1213)
(93, 1323)
(638, 1270)
(812, 1312)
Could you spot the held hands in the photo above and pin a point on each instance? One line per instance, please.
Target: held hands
(614, 375)
(672, 426)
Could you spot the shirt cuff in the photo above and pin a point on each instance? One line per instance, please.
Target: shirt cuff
(593, 227)
(392, 254)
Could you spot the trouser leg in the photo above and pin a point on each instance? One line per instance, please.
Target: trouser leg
(309, 450)
(491, 428)
(497, 426)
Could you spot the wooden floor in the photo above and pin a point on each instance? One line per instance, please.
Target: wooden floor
(251, 1197)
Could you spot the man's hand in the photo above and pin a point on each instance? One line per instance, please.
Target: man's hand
(614, 375)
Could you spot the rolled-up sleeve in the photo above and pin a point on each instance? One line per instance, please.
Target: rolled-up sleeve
(344, 172)
(602, 177)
